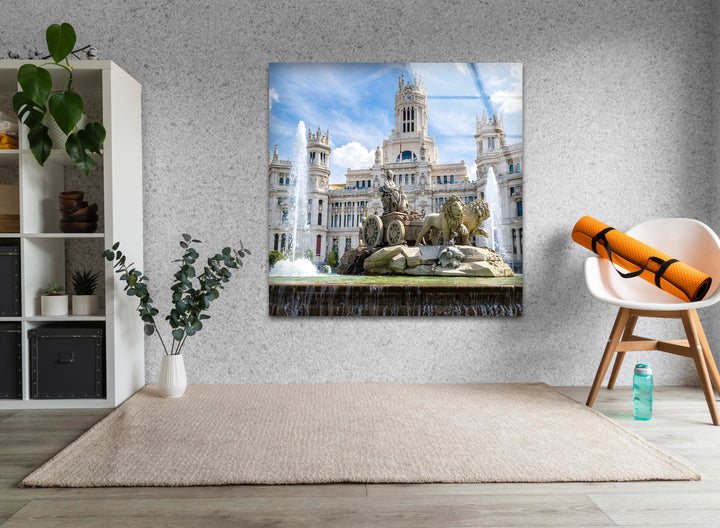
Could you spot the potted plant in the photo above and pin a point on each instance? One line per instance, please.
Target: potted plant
(191, 296)
(54, 302)
(84, 300)
(37, 103)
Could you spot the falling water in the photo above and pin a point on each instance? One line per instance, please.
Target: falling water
(298, 208)
(298, 265)
(492, 196)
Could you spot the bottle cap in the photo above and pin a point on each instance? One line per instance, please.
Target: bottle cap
(643, 368)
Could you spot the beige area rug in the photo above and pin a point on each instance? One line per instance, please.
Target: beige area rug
(374, 432)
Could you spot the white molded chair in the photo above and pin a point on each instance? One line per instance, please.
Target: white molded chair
(689, 241)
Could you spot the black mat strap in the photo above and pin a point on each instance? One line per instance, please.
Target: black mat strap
(602, 240)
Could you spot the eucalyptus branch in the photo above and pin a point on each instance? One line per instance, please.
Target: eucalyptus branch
(192, 294)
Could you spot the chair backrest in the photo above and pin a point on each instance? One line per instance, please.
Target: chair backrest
(687, 240)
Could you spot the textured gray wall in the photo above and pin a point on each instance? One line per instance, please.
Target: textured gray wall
(619, 99)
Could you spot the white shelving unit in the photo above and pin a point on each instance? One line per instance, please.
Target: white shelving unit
(44, 250)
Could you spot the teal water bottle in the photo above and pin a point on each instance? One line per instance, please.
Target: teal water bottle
(643, 391)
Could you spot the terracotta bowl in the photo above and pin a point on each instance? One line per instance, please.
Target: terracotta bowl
(71, 195)
(78, 227)
(79, 214)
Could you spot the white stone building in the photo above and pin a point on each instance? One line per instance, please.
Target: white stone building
(335, 211)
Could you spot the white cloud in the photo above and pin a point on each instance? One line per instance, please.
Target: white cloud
(352, 156)
(273, 97)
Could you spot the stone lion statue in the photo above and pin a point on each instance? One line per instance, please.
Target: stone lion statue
(475, 214)
(440, 228)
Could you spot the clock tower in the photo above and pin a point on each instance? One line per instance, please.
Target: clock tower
(409, 136)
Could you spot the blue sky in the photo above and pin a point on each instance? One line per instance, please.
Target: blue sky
(356, 103)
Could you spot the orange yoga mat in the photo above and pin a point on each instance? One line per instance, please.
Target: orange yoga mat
(641, 260)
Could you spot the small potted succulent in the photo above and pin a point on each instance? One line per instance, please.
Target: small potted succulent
(84, 300)
(54, 302)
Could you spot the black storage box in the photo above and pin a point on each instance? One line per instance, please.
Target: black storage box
(9, 280)
(67, 361)
(10, 361)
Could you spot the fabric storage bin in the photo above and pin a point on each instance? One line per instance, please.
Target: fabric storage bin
(9, 280)
(67, 361)
(10, 361)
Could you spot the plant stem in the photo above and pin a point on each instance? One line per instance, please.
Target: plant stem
(162, 342)
(182, 343)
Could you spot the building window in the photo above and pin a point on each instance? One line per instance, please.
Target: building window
(312, 157)
(521, 247)
(279, 200)
(412, 179)
(512, 189)
(369, 183)
(284, 217)
(309, 218)
(491, 143)
(438, 179)
(519, 208)
(282, 181)
(514, 240)
(445, 179)
(480, 146)
(517, 167)
(320, 218)
(348, 243)
(318, 245)
(406, 155)
(512, 168)
(282, 243)
(482, 195)
(277, 242)
(452, 179)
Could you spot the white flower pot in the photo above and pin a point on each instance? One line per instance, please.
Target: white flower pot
(54, 305)
(84, 304)
(173, 380)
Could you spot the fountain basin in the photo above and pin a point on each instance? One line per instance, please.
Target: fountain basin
(343, 295)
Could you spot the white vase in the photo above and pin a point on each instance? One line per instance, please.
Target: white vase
(54, 305)
(173, 380)
(84, 304)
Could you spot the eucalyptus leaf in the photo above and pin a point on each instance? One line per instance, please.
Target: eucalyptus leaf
(186, 237)
(60, 40)
(149, 329)
(67, 109)
(35, 82)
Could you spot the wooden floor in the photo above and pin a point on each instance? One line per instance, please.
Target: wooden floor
(681, 426)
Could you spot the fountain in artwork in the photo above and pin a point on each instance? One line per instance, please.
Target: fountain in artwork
(401, 242)
(297, 265)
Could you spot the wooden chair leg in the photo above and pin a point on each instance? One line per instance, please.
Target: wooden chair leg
(629, 329)
(700, 364)
(617, 330)
(709, 359)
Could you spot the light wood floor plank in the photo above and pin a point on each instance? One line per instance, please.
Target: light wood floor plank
(9, 490)
(639, 508)
(400, 512)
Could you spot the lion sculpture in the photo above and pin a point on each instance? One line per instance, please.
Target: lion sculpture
(475, 214)
(440, 228)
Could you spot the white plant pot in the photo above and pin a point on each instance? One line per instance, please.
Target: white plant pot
(58, 136)
(173, 380)
(54, 305)
(84, 304)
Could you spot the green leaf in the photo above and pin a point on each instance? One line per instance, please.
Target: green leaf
(27, 110)
(67, 109)
(35, 82)
(178, 334)
(92, 137)
(40, 143)
(116, 245)
(60, 40)
(76, 150)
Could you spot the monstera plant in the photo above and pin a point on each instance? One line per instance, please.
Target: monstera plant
(37, 99)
